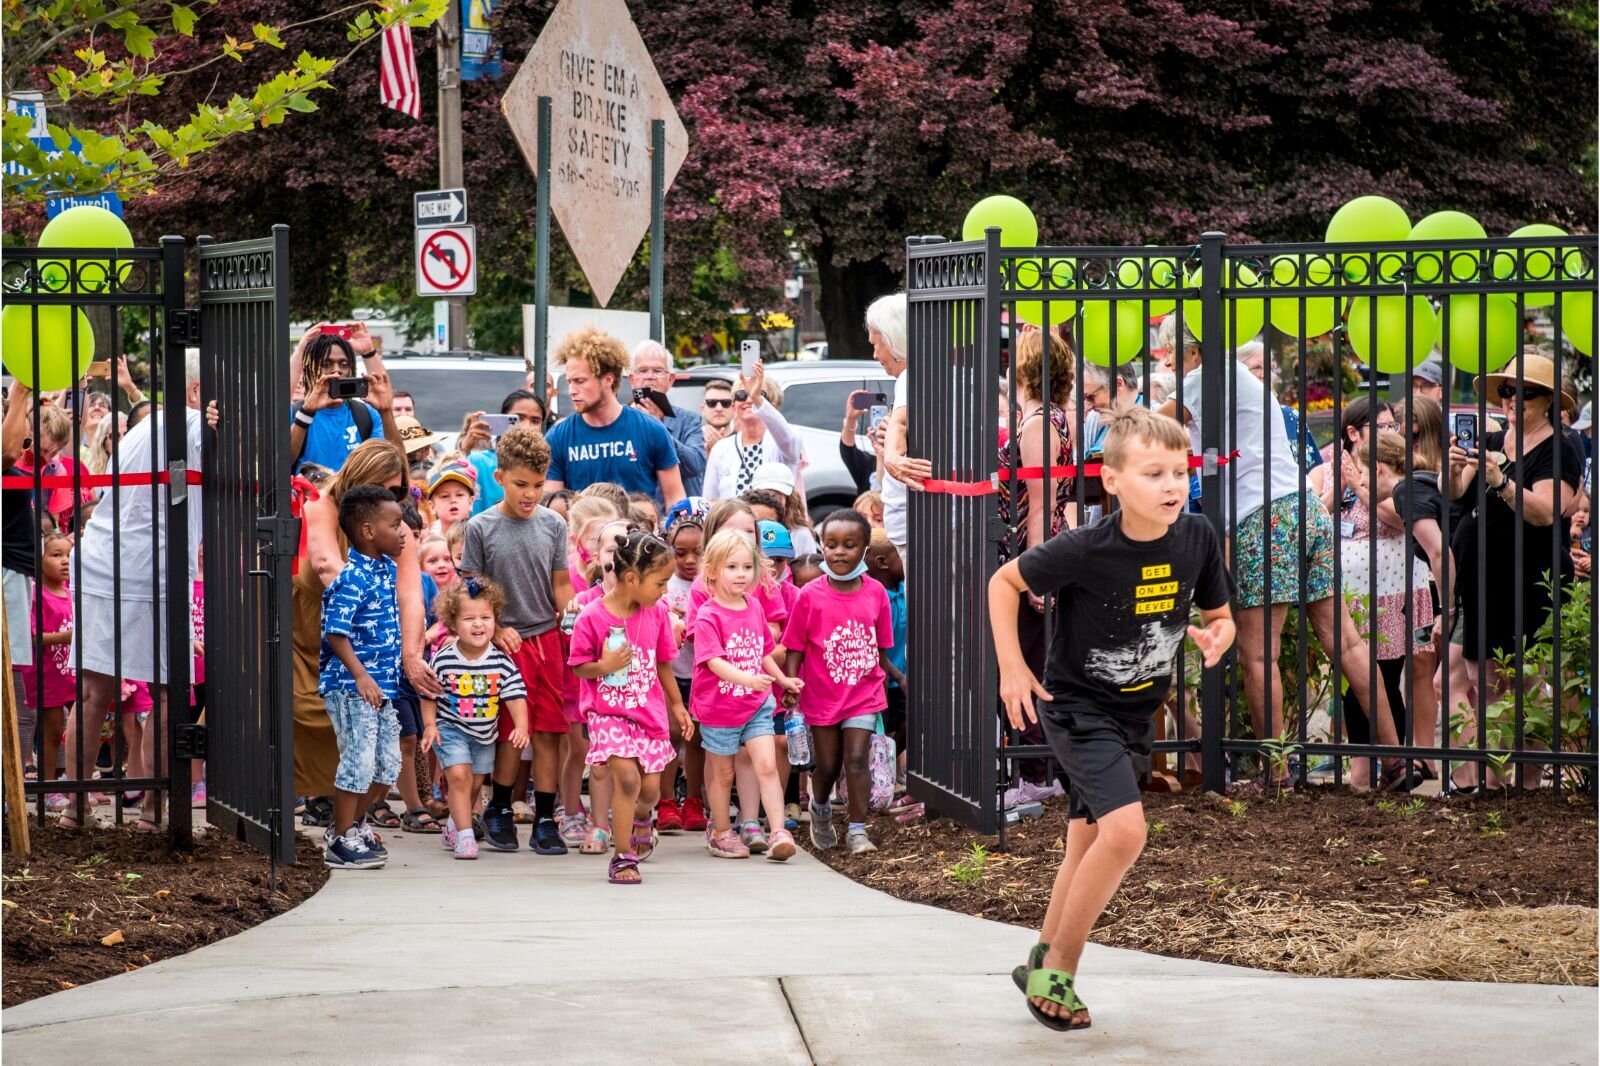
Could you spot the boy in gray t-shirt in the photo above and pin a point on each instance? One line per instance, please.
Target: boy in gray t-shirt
(522, 547)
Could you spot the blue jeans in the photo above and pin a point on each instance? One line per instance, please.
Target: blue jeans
(727, 740)
(456, 748)
(369, 741)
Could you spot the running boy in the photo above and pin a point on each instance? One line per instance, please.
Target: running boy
(522, 547)
(1123, 590)
(360, 670)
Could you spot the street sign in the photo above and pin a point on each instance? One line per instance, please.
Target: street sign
(108, 200)
(31, 106)
(443, 207)
(447, 261)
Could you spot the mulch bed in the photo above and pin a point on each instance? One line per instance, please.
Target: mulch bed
(97, 902)
(1323, 882)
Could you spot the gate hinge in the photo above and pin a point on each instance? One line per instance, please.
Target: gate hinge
(999, 531)
(284, 534)
(191, 742)
(183, 325)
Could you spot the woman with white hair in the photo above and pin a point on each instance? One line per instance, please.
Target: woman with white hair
(886, 329)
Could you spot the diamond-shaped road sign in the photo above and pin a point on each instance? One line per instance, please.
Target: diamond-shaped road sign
(592, 63)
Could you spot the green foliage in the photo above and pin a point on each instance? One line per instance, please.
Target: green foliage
(1404, 810)
(1239, 809)
(1492, 826)
(969, 871)
(124, 154)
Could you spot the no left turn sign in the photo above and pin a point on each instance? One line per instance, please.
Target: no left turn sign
(447, 261)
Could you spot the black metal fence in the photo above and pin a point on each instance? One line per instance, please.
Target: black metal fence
(1512, 695)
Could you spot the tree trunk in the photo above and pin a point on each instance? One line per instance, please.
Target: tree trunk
(846, 290)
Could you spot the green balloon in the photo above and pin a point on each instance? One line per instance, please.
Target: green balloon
(1159, 273)
(1577, 320)
(86, 226)
(1447, 226)
(1018, 228)
(1481, 332)
(1537, 264)
(1099, 347)
(1242, 317)
(1029, 274)
(59, 365)
(1378, 335)
(1320, 313)
(1366, 220)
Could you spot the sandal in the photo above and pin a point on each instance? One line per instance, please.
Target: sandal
(1056, 987)
(418, 820)
(598, 842)
(1019, 976)
(382, 815)
(624, 862)
(644, 845)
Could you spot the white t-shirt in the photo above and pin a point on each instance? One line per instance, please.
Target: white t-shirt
(139, 508)
(1257, 414)
(894, 492)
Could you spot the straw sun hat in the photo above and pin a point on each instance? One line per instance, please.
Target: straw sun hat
(1537, 370)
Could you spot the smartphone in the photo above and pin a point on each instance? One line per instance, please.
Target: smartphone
(877, 413)
(347, 388)
(749, 356)
(656, 397)
(332, 330)
(866, 401)
(498, 424)
(1465, 427)
(100, 368)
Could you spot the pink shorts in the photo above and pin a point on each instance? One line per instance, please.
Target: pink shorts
(612, 735)
(135, 698)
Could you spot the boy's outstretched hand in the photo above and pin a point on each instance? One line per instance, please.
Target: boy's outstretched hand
(1018, 687)
(1214, 640)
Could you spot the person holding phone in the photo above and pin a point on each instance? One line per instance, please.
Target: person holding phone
(863, 463)
(339, 410)
(761, 435)
(651, 378)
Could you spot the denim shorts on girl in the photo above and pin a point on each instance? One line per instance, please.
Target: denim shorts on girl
(368, 739)
(727, 740)
(455, 748)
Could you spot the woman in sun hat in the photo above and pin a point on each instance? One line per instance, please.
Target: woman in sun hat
(417, 439)
(1531, 473)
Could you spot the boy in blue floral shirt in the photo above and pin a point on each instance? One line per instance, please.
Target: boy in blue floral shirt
(360, 671)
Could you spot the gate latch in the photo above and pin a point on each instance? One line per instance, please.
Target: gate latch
(284, 533)
(191, 742)
(183, 325)
(1208, 463)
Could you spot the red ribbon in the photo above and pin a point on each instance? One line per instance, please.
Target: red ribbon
(301, 492)
(94, 481)
(1038, 473)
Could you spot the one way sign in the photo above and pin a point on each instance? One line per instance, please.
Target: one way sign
(442, 207)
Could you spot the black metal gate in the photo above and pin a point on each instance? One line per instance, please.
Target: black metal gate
(250, 540)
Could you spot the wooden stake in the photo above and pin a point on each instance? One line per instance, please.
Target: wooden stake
(16, 799)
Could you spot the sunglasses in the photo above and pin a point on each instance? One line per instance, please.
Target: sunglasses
(720, 403)
(1508, 391)
(402, 493)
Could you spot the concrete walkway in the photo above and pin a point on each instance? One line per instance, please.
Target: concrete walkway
(519, 958)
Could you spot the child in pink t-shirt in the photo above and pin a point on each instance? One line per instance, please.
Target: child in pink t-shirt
(838, 640)
(622, 652)
(51, 686)
(686, 537)
(734, 673)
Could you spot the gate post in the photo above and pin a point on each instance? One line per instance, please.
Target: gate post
(175, 338)
(1213, 356)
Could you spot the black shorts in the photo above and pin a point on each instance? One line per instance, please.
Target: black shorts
(409, 710)
(1102, 755)
(894, 715)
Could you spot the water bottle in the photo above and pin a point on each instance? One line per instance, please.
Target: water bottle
(799, 735)
(614, 640)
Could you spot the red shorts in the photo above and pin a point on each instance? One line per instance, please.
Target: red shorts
(541, 663)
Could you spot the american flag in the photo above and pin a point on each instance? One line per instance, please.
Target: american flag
(398, 86)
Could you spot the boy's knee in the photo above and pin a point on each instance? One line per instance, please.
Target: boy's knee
(1124, 836)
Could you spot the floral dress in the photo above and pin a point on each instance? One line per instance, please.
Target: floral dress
(1388, 594)
(1060, 493)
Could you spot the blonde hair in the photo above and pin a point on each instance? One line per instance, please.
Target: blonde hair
(1145, 426)
(870, 498)
(615, 495)
(455, 537)
(1428, 417)
(99, 447)
(723, 547)
(600, 350)
(426, 543)
(55, 424)
(372, 462)
(1390, 447)
(582, 513)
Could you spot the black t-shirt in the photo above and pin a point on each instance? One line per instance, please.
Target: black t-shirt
(1122, 609)
(1419, 499)
(19, 527)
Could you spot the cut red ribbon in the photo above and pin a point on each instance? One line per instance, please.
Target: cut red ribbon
(1038, 473)
(94, 481)
(301, 492)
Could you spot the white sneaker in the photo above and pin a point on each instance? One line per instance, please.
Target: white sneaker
(857, 842)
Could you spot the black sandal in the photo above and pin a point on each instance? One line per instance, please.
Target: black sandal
(382, 815)
(418, 820)
(318, 813)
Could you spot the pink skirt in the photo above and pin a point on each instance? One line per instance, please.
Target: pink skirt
(613, 735)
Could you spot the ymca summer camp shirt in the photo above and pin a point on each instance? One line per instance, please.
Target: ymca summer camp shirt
(641, 699)
(742, 638)
(628, 452)
(475, 690)
(522, 556)
(840, 634)
(1122, 610)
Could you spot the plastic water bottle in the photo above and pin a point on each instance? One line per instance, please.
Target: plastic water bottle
(614, 640)
(799, 736)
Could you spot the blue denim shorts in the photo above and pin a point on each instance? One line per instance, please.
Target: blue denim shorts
(727, 740)
(869, 722)
(455, 748)
(369, 741)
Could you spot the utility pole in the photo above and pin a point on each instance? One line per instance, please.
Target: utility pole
(450, 166)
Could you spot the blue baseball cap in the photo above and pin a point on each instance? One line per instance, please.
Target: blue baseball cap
(775, 540)
(688, 507)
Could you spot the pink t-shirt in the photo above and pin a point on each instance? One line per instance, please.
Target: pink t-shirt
(197, 621)
(571, 684)
(649, 633)
(575, 573)
(789, 591)
(840, 634)
(740, 636)
(60, 686)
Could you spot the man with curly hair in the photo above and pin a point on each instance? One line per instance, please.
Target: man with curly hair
(605, 441)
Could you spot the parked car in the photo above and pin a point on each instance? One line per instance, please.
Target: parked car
(814, 395)
(447, 387)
